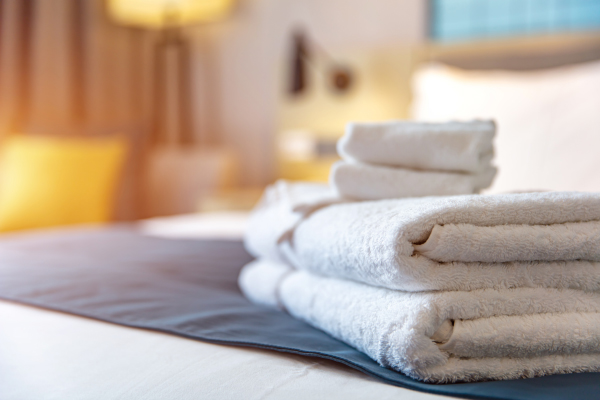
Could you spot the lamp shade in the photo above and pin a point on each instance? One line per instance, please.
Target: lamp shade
(163, 13)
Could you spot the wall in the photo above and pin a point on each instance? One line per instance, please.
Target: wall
(236, 63)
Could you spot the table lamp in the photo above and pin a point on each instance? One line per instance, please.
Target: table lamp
(171, 100)
(177, 172)
(160, 14)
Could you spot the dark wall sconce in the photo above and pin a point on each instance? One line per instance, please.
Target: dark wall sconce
(341, 78)
(298, 75)
(305, 54)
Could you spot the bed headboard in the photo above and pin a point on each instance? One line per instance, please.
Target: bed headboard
(522, 53)
(517, 54)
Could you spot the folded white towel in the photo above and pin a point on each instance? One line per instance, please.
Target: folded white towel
(451, 146)
(505, 243)
(282, 206)
(443, 336)
(371, 182)
(546, 239)
(260, 282)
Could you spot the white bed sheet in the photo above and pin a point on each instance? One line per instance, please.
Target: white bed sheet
(48, 355)
(216, 225)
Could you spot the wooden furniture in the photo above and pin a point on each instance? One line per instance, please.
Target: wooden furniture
(176, 178)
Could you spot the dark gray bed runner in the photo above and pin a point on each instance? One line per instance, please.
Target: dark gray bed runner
(188, 288)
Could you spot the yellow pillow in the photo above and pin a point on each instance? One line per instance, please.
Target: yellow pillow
(56, 181)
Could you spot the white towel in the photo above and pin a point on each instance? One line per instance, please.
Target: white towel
(443, 336)
(371, 182)
(282, 206)
(548, 239)
(505, 243)
(451, 146)
(260, 282)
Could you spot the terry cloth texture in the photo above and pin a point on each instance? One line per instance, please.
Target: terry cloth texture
(505, 243)
(282, 206)
(380, 242)
(373, 182)
(451, 146)
(443, 336)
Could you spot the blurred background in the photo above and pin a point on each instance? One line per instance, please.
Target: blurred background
(129, 109)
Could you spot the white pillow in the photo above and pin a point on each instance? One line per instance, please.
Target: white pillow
(548, 120)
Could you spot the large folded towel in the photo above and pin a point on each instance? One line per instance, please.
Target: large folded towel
(442, 336)
(469, 242)
(451, 146)
(371, 182)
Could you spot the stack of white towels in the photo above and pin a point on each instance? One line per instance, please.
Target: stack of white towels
(441, 288)
(410, 159)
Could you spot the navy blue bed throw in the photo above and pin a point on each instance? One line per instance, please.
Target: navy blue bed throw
(188, 288)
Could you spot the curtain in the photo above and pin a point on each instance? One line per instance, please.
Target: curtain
(65, 69)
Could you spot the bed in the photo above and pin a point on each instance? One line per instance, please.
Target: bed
(122, 313)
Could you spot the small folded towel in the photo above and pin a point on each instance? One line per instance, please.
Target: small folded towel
(549, 239)
(370, 182)
(442, 336)
(451, 146)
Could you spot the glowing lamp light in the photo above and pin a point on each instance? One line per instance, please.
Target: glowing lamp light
(167, 13)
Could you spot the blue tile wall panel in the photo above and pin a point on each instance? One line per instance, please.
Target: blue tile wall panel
(475, 19)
